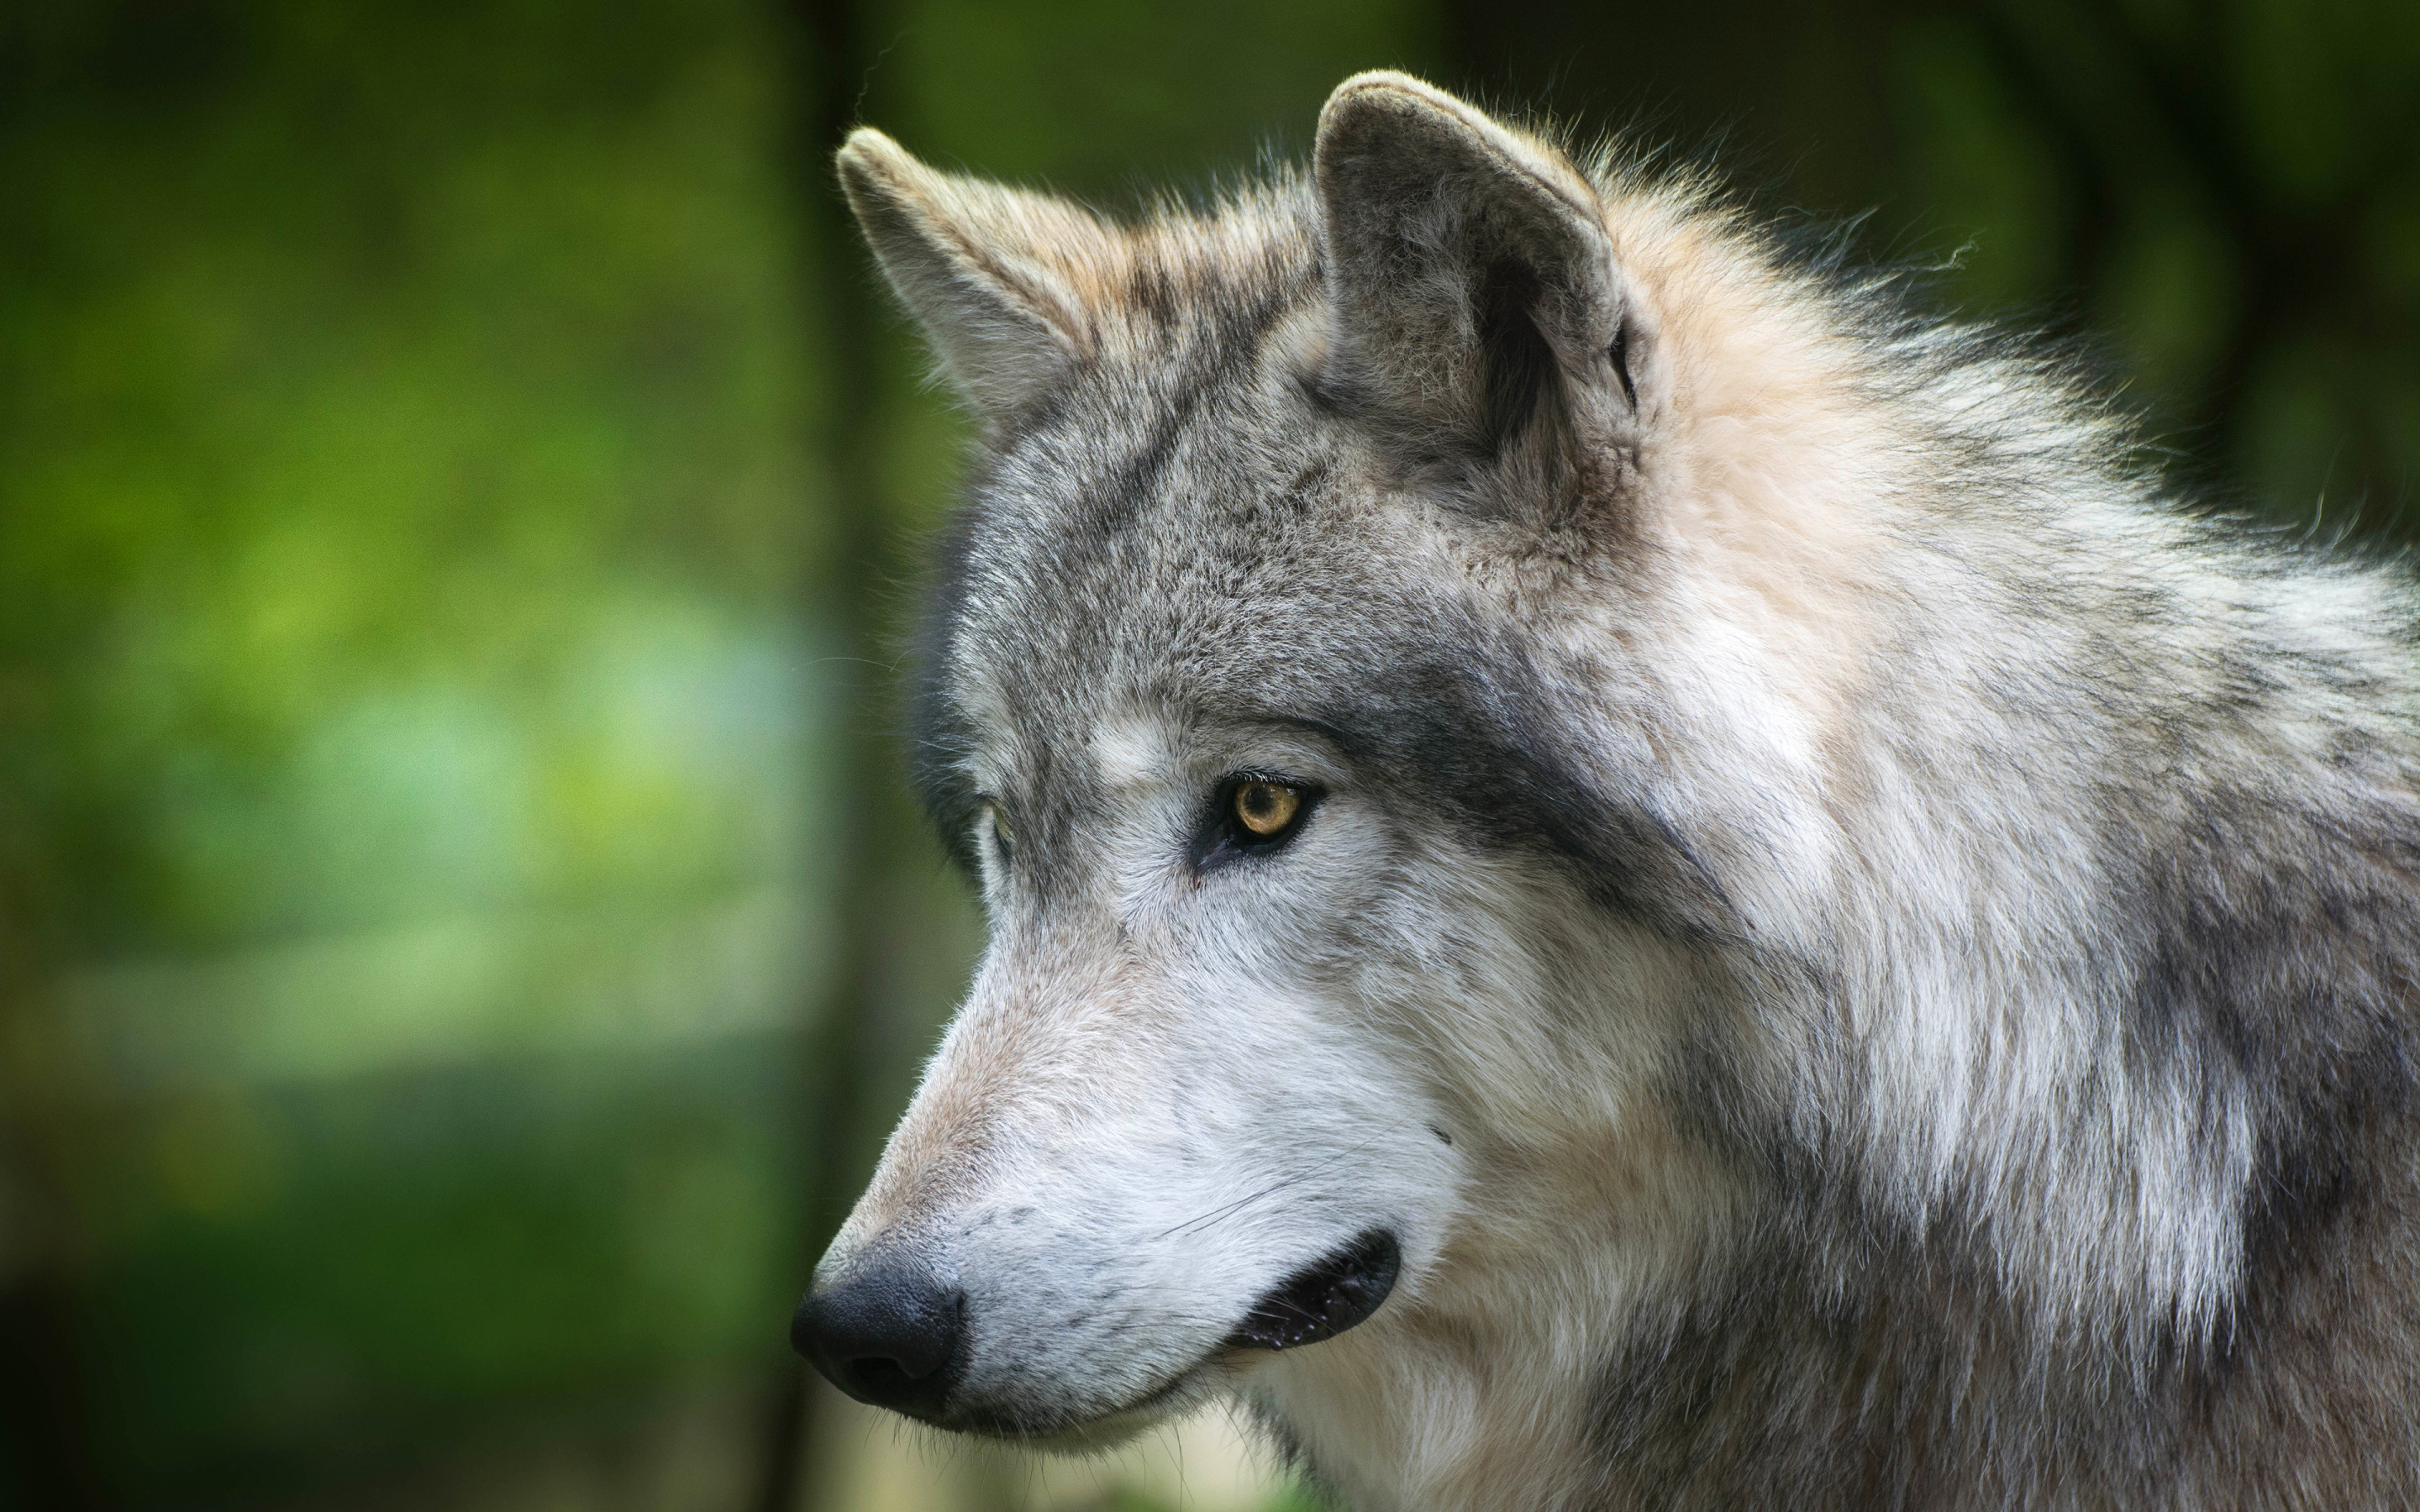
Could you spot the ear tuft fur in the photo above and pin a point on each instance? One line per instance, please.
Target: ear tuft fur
(997, 276)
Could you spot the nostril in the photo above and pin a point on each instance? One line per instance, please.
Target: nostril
(889, 1335)
(879, 1377)
(914, 1354)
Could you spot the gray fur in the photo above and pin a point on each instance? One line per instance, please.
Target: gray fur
(1869, 956)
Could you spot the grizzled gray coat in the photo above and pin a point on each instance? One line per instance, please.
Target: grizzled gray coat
(1624, 876)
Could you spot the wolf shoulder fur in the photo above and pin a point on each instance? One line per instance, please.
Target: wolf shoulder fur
(1848, 951)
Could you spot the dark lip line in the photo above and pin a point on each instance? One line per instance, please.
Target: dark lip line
(1333, 1294)
(1226, 1348)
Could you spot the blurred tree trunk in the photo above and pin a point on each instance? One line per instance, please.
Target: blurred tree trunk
(46, 1442)
(830, 64)
(43, 1393)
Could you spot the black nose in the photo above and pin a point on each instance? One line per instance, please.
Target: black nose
(887, 1335)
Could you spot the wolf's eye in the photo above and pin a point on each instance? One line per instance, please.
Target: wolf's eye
(997, 819)
(1250, 816)
(1267, 808)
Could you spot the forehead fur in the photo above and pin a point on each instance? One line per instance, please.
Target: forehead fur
(1197, 520)
(1201, 537)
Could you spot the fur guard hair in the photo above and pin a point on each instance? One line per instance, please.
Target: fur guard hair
(1866, 956)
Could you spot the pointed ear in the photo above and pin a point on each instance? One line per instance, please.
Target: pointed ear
(996, 276)
(1477, 301)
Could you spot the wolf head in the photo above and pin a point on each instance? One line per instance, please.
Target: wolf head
(1328, 501)
(1442, 680)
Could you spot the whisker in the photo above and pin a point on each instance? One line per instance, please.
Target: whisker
(1229, 1210)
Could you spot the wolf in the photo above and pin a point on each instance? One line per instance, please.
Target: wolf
(1625, 872)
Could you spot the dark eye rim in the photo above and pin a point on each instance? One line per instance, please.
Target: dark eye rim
(993, 815)
(1221, 839)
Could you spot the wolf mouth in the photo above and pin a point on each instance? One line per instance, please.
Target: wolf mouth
(1324, 1298)
(1340, 1290)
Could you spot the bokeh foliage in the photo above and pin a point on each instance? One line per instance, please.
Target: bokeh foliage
(396, 402)
(2230, 194)
(416, 696)
(409, 712)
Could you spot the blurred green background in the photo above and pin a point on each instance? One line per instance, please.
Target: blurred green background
(461, 938)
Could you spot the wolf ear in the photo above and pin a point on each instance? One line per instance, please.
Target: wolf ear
(995, 275)
(1477, 301)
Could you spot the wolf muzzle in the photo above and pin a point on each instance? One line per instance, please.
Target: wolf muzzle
(891, 1334)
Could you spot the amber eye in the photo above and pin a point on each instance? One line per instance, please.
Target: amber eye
(1001, 834)
(1252, 816)
(1267, 808)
